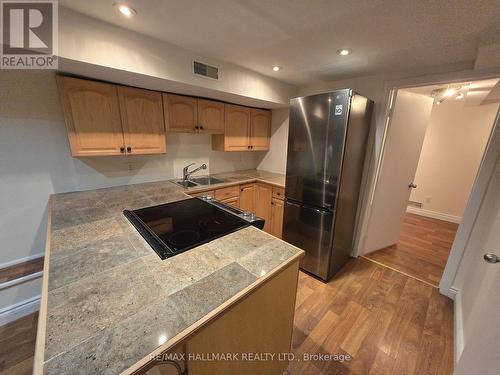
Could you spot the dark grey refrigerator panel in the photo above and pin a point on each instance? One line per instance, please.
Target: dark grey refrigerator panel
(326, 151)
(315, 148)
(310, 229)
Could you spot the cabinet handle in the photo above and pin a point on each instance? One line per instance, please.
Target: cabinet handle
(122, 149)
(129, 149)
(196, 127)
(201, 127)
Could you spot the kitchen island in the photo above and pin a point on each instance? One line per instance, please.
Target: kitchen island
(111, 305)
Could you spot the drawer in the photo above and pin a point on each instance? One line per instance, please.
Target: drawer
(234, 202)
(199, 194)
(278, 192)
(229, 192)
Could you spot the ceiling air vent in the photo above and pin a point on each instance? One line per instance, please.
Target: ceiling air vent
(205, 70)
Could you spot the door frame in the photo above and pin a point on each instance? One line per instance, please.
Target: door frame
(483, 175)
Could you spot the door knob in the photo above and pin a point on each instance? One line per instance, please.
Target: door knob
(412, 185)
(491, 258)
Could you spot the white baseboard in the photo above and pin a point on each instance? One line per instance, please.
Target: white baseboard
(450, 293)
(21, 260)
(20, 309)
(458, 327)
(434, 214)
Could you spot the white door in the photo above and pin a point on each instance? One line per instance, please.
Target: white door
(405, 136)
(478, 299)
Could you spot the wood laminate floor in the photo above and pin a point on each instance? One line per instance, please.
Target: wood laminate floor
(21, 269)
(422, 250)
(387, 322)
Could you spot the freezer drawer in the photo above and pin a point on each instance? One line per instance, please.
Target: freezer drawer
(311, 230)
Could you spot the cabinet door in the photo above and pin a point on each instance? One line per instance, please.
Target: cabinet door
(277, 217)
(237, 128)
(210, 116)
(247, 197)
(263, 197)
(234, 202)
(260, 130)
(181, 113)
(142, 119)
(92, 115)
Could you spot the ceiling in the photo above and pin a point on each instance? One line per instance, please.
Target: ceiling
(479, 92)
(303, 36)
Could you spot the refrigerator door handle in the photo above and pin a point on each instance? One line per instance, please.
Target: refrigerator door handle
(321, 210)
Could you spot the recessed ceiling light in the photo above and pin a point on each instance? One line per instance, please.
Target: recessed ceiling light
(460, 96)
(277, 68)
(343, 52)
(125, 9)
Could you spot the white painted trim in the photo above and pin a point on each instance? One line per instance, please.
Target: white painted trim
(469, 214)
(21, 260)
(458, 327)
(452, 293)
(434, 214)
(21, 280)
(18, 310)
(476, 197)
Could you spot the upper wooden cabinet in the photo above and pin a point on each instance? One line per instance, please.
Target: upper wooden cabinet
(186, 114)
(237, 128)
(260, 130)
(210, 116)
(107, 119)
(246, 129)
(92, 115)
(181, 113)
(142, 120)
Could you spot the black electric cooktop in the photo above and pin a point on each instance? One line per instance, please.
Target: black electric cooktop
(173, 228)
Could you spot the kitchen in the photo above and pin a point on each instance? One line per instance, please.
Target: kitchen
(133, 136)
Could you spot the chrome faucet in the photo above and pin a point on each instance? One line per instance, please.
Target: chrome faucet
(186, 174)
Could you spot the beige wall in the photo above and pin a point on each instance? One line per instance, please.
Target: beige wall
(453, 147)
(275, 159)
(113, 53)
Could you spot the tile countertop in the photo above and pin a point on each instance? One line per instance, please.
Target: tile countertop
(110, 301)
(241, 177)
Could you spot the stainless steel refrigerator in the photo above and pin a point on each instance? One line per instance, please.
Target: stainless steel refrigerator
(327, 144)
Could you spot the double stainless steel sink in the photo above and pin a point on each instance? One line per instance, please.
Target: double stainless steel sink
(199, 181)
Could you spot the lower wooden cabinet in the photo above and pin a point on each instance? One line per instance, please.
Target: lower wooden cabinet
(247, 193)
(209, 192)
(263, 197)
(262, 322)
(277, 209)
(233, 202)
